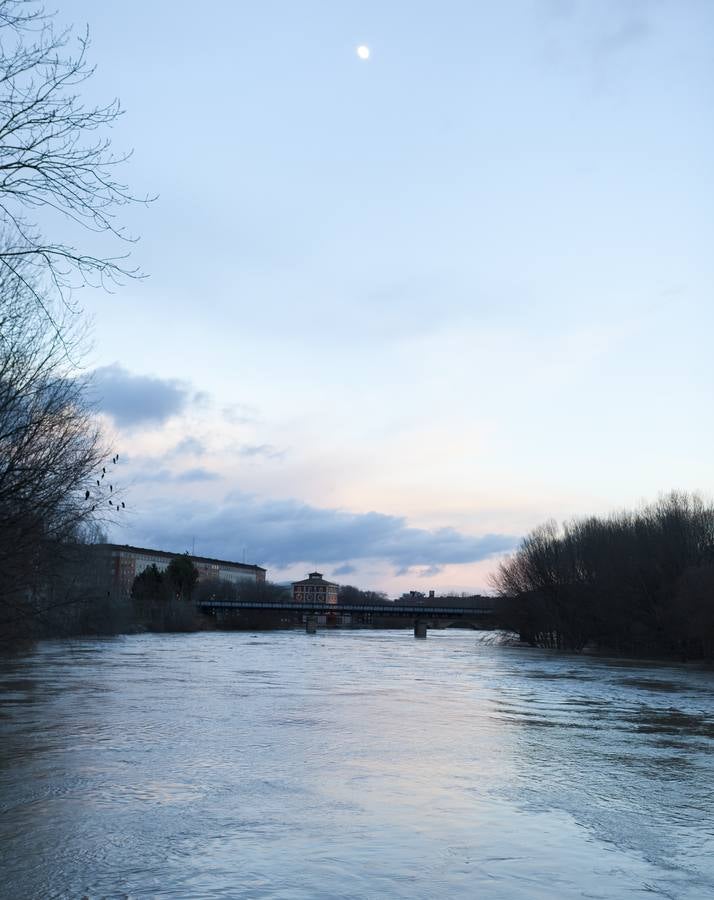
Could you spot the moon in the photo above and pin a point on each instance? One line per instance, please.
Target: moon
(363, 51)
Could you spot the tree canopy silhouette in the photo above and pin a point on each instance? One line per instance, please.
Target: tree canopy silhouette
(639, 581)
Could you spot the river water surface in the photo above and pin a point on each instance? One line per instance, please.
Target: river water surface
(359, 764)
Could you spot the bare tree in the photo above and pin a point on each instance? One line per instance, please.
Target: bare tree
(55, 156)
(57, 171)
(637, 581)
(52, 459)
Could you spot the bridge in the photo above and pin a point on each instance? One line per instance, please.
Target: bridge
(421, 615)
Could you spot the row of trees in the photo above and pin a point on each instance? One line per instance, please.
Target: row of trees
(463, 599)
(636, 581)
(245, 589)
(167, 601)
(56, 164)
(348, 593)
(162, 601)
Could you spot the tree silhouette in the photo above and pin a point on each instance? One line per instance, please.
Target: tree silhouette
(50, 447)
(633, 581)
(182, 575)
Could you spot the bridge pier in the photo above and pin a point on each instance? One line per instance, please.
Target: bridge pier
(310, 624)
(420, 629)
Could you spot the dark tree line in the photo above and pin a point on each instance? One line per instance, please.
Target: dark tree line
(162, 601)
(246, 589)
(348, 593)
(636, 581)
(167, 601)
(464, 599)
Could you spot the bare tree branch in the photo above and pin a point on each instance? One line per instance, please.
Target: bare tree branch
(53, 459)
(55, 154)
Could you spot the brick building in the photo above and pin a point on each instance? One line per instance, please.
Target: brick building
(315, 589)
(123, 563)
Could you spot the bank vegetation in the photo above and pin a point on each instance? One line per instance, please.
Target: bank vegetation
(639, 582)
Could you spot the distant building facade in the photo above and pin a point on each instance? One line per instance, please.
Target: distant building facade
(314, 589)
(123, 563)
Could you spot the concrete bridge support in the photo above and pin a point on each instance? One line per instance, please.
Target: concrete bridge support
(420, 629)
(311, 624)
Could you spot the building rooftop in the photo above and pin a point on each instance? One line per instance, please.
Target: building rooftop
(316, 578)
(167, 554)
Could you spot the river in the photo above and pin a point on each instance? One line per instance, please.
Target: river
(351, 764)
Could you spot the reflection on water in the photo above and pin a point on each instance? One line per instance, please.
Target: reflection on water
(351, 765)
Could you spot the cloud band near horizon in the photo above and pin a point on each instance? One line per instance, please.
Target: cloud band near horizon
(282, 533)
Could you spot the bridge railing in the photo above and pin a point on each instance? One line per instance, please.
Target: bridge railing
(443, 612)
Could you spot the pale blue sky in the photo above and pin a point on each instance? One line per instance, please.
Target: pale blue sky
(465, 285)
